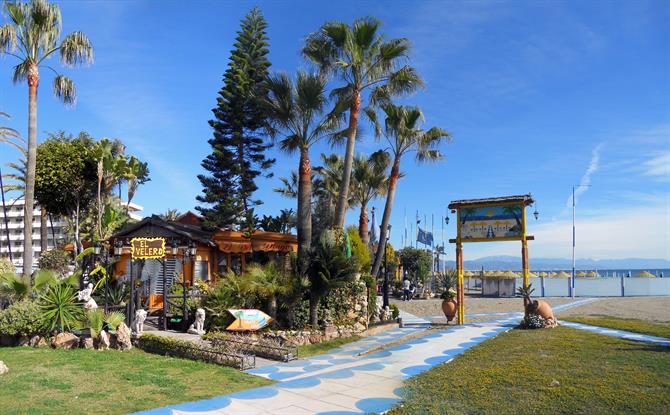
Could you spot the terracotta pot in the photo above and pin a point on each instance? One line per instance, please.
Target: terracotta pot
(449, 308)
(544, 310)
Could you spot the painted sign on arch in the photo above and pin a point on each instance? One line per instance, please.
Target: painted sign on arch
(491, 222)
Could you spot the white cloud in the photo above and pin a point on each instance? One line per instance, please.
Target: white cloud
(585, 182)
(658, 167)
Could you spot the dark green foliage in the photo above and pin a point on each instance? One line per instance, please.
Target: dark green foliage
(66, 174)
(60, 309)
(449, 282)
(23, 318)
(416, 262)
(238, 150)
(56, 260)
(167, 346)
(282, 223)
(395, 311)
(532, 321)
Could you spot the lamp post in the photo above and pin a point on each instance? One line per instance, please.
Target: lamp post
(386, 269)
(572, 279)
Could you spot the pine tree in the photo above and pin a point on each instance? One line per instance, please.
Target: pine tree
(238, 149)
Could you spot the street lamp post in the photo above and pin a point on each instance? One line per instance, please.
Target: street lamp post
(572, 278)
(386, 269)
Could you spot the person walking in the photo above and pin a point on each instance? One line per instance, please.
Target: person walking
(405, 288)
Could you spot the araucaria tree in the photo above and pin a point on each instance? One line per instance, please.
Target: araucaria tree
(296, 113)
(238, 150)
(360, 57)
(403, 133)
(32, 35)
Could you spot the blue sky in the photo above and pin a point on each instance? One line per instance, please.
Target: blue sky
(538, 96)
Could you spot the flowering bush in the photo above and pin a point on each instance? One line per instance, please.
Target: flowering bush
(532, 321)
(23, 318)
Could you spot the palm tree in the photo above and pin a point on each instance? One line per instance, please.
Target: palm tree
(360, 57)
(135, 173)
(369, 181)
(289, 186)
(8, 136)
(31, 36)
(296, 111)
(170, 215)
(403, 133)
(111, 168)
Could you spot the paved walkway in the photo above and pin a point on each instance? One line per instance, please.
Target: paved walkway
(354, 379)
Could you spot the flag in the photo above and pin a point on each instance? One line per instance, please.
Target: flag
(373, 228)
(424, 237)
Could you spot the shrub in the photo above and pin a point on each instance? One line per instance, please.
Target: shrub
(6, 267)
(358, 249)
(56, 259)
(167, 346)
(23, 318)
(532, 321)
(395, 311)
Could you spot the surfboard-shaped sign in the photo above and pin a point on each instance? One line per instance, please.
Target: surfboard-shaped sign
(248, 320)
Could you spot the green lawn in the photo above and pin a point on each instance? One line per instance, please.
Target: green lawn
(628, 324)
(321, 348)
(552, 371)
(45, 381)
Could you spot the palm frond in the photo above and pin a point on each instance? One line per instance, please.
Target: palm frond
(8, 40)
(76, 49)
(65, 90)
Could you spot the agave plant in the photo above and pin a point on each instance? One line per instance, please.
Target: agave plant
(526, 292)
(449, 282)
(114, 319)
(60, 308)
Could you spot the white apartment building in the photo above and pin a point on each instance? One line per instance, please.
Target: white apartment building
(55, 235)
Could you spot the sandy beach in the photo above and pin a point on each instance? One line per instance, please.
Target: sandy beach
(656, 309)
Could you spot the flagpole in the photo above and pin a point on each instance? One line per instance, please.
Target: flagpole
(432, 248)
(416, 240)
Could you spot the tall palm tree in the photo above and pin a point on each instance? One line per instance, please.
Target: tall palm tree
(370, 181)
(403, 133)
(360, 57)
(32, 35)
(296, 111)
(8, 136)
(170, 215)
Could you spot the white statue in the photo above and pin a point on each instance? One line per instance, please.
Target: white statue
(198, 326)
(137, 327)
(85, 295)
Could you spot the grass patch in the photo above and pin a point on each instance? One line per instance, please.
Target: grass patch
(46, 381)
(557, 371)
(324, 347)
(627, 324)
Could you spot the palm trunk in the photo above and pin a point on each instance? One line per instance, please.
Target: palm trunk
(363, 224)
(341, 207)
(44, 231)
(273, 307)
(314, 311)
(33, 81)
(77, 241)
(390, 196)
(304, 210)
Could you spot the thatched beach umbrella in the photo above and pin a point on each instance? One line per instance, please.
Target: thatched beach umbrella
(563, 274)
(581, 274)
(592, 274)
(645, 274)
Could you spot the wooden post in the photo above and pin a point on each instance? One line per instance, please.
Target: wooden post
(461, 294)
(524, 262)
(165, 305)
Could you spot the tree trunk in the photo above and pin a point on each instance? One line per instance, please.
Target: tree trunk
(363, 225)
(33, 81)
(273, 307)
(304, 210)
(44, 231)
(314, 311)
(390, 196)
(341, 207)
(77, 241)
(100, 173)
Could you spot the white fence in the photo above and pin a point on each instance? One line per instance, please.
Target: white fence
(584, 287)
